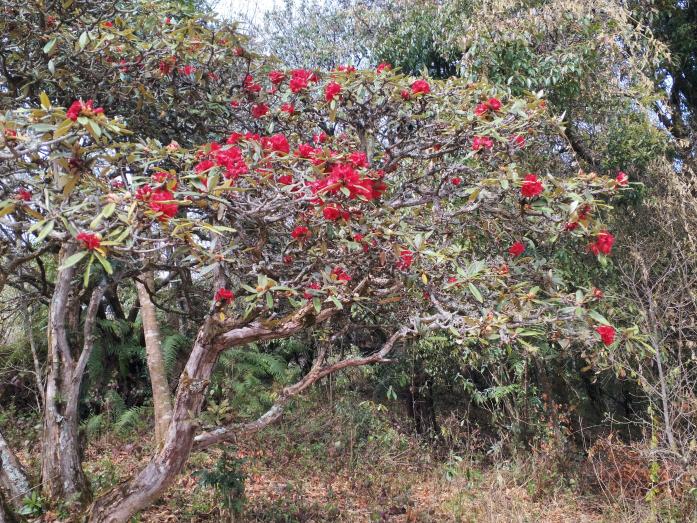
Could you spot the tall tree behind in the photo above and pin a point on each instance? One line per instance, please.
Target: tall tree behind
(156, 366)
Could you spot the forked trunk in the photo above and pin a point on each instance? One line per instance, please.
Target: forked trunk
(61, 470)
(156, 366)
(118, 505)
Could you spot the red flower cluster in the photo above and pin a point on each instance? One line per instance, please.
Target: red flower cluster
(334, 212)
(516, 249)
(288, 108)
(299, 79)
(420, 87)
(346, 69)
(308, 294)
(492, 104)
(384, 67)
(331, 91)
(259, 110)
(161, 201)
(300, 232)
(598, 294)
(277, 143)
(187, 70)
(607, 333)
(531, 187)
(285, 179)
(23, 195)
(231, 159)
(339, 274)
(80, 108)
(91, 241)
(482, 142)
(456, 180)
(224, 295)
(250, 85)
(622, 179)
(276, 77)
(603, 243)
(406, 258)
(344, 175)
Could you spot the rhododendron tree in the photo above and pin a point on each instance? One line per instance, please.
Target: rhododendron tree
(359, 201)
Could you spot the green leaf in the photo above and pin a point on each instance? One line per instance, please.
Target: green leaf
(317, 304)
(105, 263)
(598, 317)
(83, 40)
(269, 300)
(475, 292)
(72, 260)
(46, 230)
(88, 271)
(50, 46)
(336, 302)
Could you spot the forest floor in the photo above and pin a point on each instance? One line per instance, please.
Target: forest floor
(356, 464)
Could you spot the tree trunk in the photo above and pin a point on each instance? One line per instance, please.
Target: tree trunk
(61, 470)
(156, 366)
(6, 514)
(118, 505)
(13, 478)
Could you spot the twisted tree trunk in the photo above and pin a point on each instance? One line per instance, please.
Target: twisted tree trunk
(156, 366)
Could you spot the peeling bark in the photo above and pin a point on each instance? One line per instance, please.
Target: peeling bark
(162, 401)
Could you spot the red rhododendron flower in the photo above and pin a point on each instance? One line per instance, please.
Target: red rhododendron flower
(10, 134)
(384, 67)
(288, 108)
(250, 85)
(80, 108)
(331, 91)
(91, 241)
(234, 103)
(516, 249)
(187, 70)
(598, 294)
(603, 243)
(300, 232)
(334, 212)
(285, 179)
(340, 275)
(494, 104)
(481, 109)
(157, 203)
(456, 181)
(239, 51)
(143, 193)
(259, 110)
(23, 195)
(299, 79)
(420, 87)
(405, 94)
(224, 295)
(308, 294)
(518, 140)
(277, 143)
(306, 151)
(622, 179)
(345, 176)
(346, 69)
(320, 138)
(276, 77)
(358, 159)
(160, 176)
(531, 187)
(607, 333)
(287, 259)
(108, 23)
(570, 226)
(482, 142)
(583, 213)
(406, 258)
